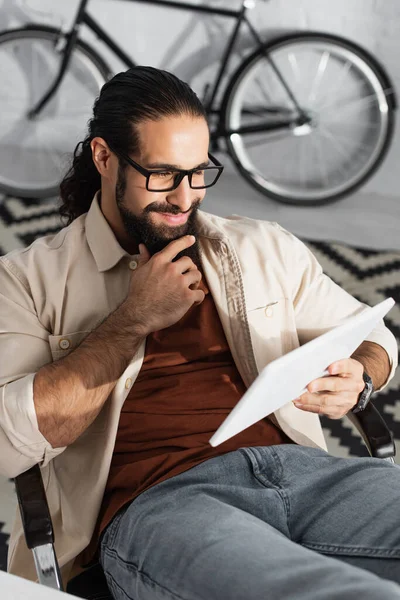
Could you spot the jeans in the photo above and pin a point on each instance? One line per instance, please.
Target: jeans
(268, 522)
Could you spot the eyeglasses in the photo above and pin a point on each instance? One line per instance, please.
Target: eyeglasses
(165, 180)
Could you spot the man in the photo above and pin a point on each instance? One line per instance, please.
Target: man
(129, 336)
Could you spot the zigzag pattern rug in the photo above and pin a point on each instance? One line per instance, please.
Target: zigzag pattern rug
(369, 275)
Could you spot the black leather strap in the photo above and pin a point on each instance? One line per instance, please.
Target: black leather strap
(376, 434)
(365, 396)
(33, 507)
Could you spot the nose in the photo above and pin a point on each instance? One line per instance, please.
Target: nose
(182, 196)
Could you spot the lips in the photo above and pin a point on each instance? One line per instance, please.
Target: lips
(174, 219)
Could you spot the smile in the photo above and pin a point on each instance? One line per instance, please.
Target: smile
(174, 219)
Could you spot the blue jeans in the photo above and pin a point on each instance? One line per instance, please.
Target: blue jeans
(276, 522)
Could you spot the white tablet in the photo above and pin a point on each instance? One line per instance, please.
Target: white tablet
(286, 378)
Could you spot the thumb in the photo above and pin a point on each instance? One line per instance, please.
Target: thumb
(144, 256)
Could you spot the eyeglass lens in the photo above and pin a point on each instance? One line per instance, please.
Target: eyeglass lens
(166, 180)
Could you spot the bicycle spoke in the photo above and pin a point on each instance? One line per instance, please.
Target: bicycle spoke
(365, 101)
(298, 153)
(322, 65)
(355, 148)
(294, 65)
(346, 144)
(341, 166)
(339, 81)
(320, 162)
(302, 165)
(272, 137)
(339, 123)
(343, 135)
(283, 157)
(35, 77)
(263, 92)
(336, 145)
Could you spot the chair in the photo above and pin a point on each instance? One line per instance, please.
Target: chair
(91, 584)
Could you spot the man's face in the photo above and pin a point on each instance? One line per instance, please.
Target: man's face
(157, 218)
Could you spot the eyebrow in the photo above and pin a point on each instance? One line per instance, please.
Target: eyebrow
(176, 167)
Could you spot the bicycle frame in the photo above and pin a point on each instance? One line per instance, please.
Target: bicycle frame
(84, 18)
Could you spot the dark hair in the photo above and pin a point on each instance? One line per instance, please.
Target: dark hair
(128, 98)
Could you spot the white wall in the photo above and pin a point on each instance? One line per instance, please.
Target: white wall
(186, 42)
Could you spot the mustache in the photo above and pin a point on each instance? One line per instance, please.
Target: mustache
(170, 208)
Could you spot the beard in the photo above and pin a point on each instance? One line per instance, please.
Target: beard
(156, 237)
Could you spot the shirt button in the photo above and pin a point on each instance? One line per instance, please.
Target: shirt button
(269, 311)
(133, 265)
(64, 344)
(128, 383)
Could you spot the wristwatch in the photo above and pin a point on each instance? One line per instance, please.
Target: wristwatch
(365, 395)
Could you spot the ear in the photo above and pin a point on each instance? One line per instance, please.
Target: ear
(105, 161)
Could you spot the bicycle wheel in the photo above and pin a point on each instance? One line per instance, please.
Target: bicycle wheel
(349, 103)
(35, 153)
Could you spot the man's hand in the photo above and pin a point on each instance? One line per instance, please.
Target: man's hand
(336, 394)
(162, 290)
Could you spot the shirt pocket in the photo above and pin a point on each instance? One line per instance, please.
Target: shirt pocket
(272, 330)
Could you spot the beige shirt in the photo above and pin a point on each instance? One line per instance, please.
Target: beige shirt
(270, 294)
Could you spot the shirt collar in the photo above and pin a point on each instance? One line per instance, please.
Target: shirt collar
(107, 251)
(102, 242)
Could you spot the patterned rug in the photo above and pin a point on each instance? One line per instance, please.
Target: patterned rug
(369, 275)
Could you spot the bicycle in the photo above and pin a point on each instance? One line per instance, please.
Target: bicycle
(307, 117)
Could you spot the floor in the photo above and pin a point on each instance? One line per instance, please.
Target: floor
(365, 219)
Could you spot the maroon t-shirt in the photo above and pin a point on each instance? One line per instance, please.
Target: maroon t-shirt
(186, 387)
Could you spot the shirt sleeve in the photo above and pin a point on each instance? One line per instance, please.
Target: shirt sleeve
(24, 349)
(320, 304)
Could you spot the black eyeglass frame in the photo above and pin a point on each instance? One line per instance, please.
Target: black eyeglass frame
(181, 173)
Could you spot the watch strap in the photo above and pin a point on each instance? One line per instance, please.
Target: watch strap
(365, 395)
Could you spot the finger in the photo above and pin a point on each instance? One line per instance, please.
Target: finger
(195, 285)
(313, 408)
(199, 296)
(192, 277)
(345, 367)
(312, 399)
(328, 401)
(327, 384)
(176, 246)
(331, 412)
(334, 384)
(185, 264)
